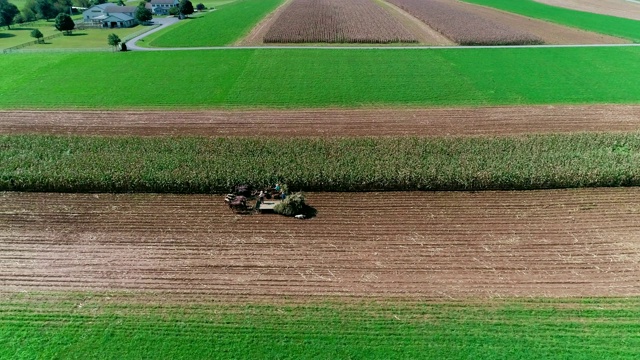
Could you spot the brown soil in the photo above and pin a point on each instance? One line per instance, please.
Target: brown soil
(619, 8)
(256, 36)
(549, 32)
(329, 122)
(423, 32)
(418, 245)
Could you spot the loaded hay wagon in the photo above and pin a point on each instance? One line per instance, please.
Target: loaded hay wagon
(272, 200)
(244, 200)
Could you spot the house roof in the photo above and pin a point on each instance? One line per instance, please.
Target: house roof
(115, 17)
(100, 7)
(155, 2)
(120, 9)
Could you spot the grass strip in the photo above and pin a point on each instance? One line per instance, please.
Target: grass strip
(498, 329)
(205, 165)
(303, 78)
(223, 26)
(604, 24)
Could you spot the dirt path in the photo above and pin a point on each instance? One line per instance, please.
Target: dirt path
(620, 8)
(423, 32)
(256, 36)
(425, 245)
(549, 32)
(329, 122)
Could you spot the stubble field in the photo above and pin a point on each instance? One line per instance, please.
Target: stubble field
(555, 243)
(329, 122)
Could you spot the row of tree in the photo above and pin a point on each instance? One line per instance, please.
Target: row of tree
(33, 10)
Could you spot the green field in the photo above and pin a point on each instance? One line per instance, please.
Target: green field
(20, 34)
(92, 327)
(202, 165)
(298, 78)
(610, 25)
(224, 26)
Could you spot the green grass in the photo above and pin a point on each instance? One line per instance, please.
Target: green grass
(89, 327)
(610, 25)
(202, 165)
(20, 34)
(299, 78)
(84, 39)
(224, 26)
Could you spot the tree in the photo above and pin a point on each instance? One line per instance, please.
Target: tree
(45, 9)
(35, 33)
(114, 40)
(64, 23)
(19, 19)
(185, 7)
(62, 6)
(200, 7)
(30, 10)
(174, 10)
(82, 3)
(97, 2)
(142, 13)
(28, 15)
(8, 11)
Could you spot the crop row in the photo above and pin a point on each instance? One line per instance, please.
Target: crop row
(205, 165)
(465, 28)
(336, 21)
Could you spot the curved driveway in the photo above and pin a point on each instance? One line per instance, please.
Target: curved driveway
(164, 22)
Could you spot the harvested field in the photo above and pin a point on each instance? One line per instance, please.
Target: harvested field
(336, 21)
(465, 27)
(423, 32)
(550, 33)
(559, 243)
(329, 122)
(620, 8)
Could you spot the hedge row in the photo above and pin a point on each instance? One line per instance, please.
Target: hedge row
(213, 165)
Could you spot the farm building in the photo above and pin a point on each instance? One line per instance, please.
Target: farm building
(161, 7)
(111, 16)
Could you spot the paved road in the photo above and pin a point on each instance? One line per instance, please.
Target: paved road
(164, 22)
(378, 47)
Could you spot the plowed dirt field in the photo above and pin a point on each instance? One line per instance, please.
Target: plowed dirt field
(411, 244)
(332, 122)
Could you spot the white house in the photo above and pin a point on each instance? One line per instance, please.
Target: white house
(110, 16)
(161, 7)
(94, 11)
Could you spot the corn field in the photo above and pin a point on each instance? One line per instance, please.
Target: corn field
(204, 165)
(465, 28)
(336, 21)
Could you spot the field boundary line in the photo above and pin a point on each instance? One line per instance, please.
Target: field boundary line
(384, 47)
